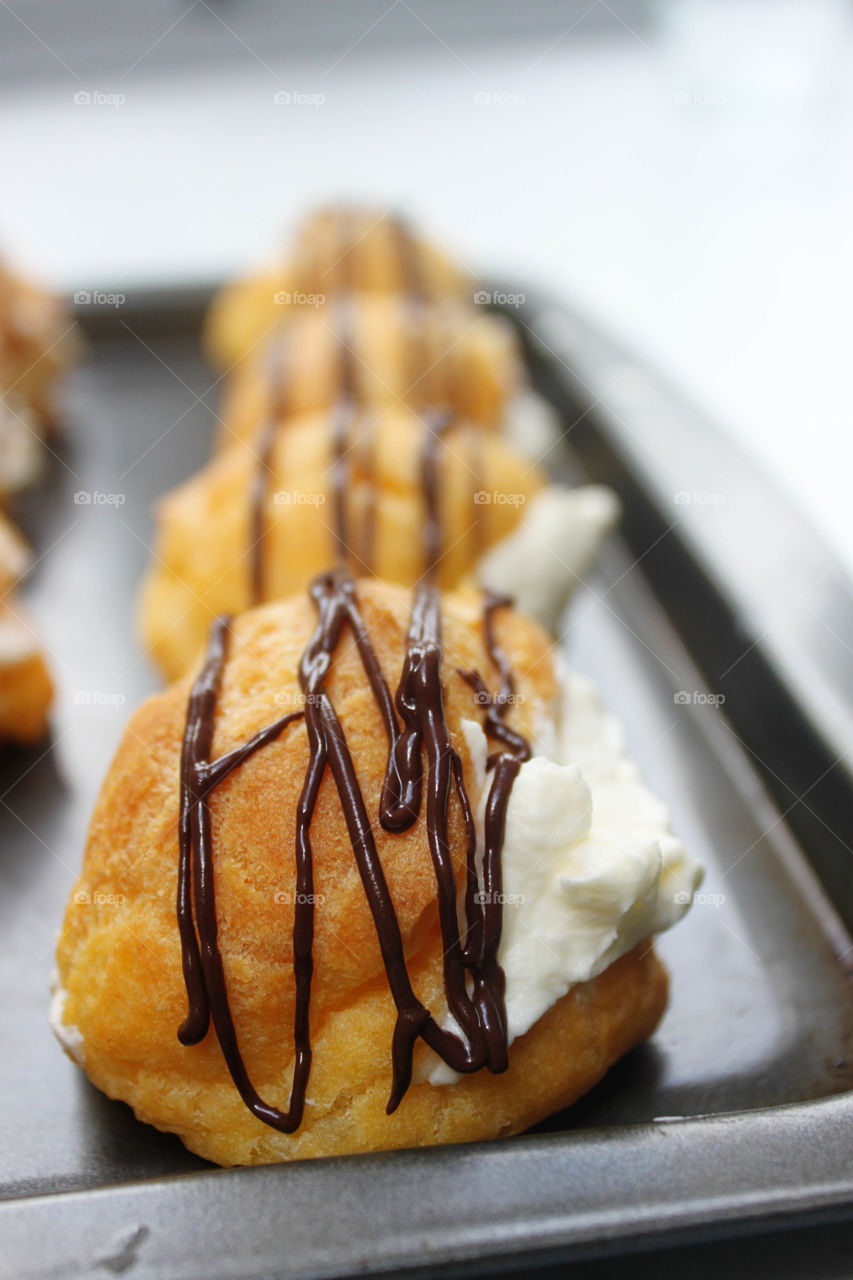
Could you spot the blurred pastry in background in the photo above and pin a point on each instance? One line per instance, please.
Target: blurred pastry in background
(16, 556)
(392, 496)
(21, 451)
(336, 250)
(37, 345)
(26, 689)
(380, 351)
(362, 432)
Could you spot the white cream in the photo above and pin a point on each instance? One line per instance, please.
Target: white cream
(530, 426)
(590, 866)
(68, 1035)
(555, 543)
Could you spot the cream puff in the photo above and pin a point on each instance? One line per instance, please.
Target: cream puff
(37, 344)
(391, 495)
(381, 352)
(337, 251)
(374, 874)
(26, 689)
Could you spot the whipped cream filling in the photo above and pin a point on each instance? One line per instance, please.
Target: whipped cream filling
(555, 544)
(68, 1035)
(529, 425)
(590, 866)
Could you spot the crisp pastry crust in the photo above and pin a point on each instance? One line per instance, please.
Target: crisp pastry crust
(119, 955)
(202, 563)
(440, 353)
(336, 250)
(36, 344)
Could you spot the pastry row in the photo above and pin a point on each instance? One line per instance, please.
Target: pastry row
(387, 422)
(375, 870)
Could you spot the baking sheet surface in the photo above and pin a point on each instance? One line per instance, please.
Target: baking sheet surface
(761, 1011)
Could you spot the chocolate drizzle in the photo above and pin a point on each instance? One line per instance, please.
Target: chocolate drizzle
(497, 703)
(259, 485)
(343, 416)
(424, 777)
(414, 300)
(257, 502)
(435, 423)
(356, 547)
(409, 257)
(421, 759)
(204, 975)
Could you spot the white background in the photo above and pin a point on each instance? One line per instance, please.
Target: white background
(690, 186)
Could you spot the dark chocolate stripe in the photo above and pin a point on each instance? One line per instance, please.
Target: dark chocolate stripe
(420, 732)
(259, 485)
(346, 404)
(257, 502)
(357, 547)
(435, 422)
(204, 974)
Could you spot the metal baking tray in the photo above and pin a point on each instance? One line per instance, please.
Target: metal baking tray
(736, 1117)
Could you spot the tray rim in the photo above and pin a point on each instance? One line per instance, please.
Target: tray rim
(685, 1155)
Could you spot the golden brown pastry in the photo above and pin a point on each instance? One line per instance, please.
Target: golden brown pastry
(36, 344)
(26, 689)
(256, 525)
(21, 447)
(382, 351)
(336, 251)
(258, 794)
(15, 555)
